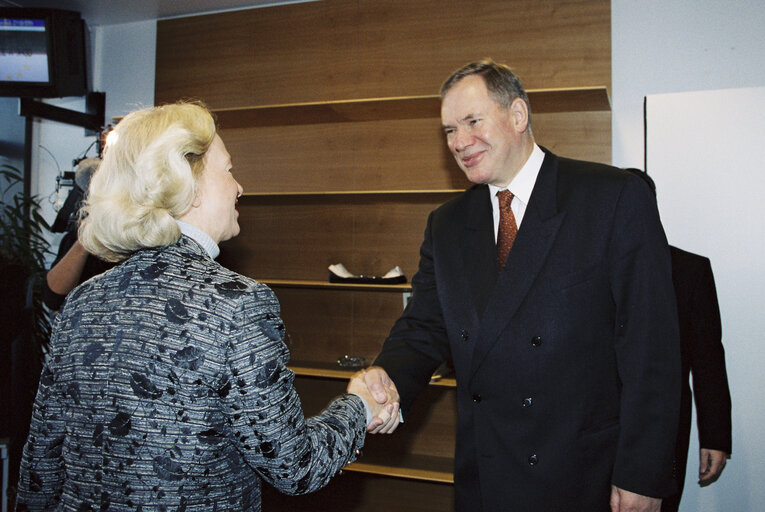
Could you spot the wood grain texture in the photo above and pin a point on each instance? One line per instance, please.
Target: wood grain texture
(298, 237)
(352, 491)
(344, 49)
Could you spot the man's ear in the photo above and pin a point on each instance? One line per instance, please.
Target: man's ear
(520, 115)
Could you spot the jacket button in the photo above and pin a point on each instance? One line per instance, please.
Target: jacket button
(476, 398)
(533, 460)
(536, 341)
(527, 402)
(465, 335)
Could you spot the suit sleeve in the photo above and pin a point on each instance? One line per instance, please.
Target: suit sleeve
(417, 343)
(647, 344)
(710, 379)
(294, 454)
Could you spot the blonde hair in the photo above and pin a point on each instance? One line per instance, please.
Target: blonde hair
(147, 179)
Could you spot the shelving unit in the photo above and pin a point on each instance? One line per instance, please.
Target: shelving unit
(575, 99)
(328, 112)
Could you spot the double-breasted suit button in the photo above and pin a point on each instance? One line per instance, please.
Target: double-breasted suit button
(527, 402)
(465, 335)
(533, 460)
(476, 397)
(536, 341)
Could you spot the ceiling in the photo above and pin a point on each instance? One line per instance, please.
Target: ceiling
(111, 12)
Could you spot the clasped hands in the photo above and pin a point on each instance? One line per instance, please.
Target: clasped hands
(381, 395)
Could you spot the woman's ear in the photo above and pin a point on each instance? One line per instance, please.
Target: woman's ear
(197, 201)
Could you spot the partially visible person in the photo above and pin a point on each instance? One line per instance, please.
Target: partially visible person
(549, 285)
(166, 386)
(73, 265)
(703, 358)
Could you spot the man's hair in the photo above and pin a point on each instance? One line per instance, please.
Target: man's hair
(503, 85)
(147, 179)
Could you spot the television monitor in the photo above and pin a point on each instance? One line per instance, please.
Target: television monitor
(42, 53)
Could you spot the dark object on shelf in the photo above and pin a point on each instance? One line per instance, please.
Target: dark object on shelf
(445, 371)
(355, 362)
(339, 274)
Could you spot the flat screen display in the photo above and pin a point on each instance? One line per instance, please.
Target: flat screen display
(23, 51)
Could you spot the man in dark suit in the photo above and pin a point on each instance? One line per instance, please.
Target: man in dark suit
(704, 357)
(567, 356)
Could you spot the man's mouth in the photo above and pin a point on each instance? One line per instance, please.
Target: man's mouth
(472, 159)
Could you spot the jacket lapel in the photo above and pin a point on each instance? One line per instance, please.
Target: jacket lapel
(479, 254)
(527, 257)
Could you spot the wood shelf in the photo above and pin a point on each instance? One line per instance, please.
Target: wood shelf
(411, 466)
(575, 99)
(354, 193)
(333, 371)
(299, 283)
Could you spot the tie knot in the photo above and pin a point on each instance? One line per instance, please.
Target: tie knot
(505, 197)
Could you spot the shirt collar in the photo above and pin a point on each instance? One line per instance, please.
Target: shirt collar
(199, 237)
(523, 183)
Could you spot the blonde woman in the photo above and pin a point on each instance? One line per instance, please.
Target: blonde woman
(166, 386)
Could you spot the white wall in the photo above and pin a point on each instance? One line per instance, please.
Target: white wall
(124, 66)
(696, 45)
(662, 46)
(710, 198)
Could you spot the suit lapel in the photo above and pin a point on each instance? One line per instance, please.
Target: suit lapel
(532, 244)
(479, 254)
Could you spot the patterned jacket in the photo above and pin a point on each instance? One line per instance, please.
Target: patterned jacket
(166, 389)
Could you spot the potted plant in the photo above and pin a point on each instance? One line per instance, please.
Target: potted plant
(24, 248)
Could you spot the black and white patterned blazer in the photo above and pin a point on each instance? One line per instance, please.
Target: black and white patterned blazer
(166, 389)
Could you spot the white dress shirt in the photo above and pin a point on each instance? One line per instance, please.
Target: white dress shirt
(521, 187)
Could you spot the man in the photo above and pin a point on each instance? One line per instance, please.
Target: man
(703, 356)
(567, 356)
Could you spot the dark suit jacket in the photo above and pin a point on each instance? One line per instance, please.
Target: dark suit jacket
(567, 363)
(703, 357)
(167, 389)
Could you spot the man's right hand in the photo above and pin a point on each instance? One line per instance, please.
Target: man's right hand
(384, 391)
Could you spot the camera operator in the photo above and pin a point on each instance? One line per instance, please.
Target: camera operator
(73, 264)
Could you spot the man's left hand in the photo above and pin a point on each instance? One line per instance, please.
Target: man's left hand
(626, 501)
(711, 464)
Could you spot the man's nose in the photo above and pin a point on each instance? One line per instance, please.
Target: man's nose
(462, 139)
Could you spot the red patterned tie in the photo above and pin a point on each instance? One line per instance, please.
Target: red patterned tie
(507, 227)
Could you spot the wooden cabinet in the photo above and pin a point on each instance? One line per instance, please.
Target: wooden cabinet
(324, 107)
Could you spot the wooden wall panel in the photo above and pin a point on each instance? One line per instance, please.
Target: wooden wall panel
(374, 155)
(324, 325)
(580, 135)
(298, 237)
(341, 49)
(366, 493)
(429, 429)
(549, 43)
(279, 54)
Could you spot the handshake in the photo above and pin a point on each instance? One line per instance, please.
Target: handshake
(379, 393)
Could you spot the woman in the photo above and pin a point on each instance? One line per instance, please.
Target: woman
(166, 386)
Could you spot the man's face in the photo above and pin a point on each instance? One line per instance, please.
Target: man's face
(482, 135)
